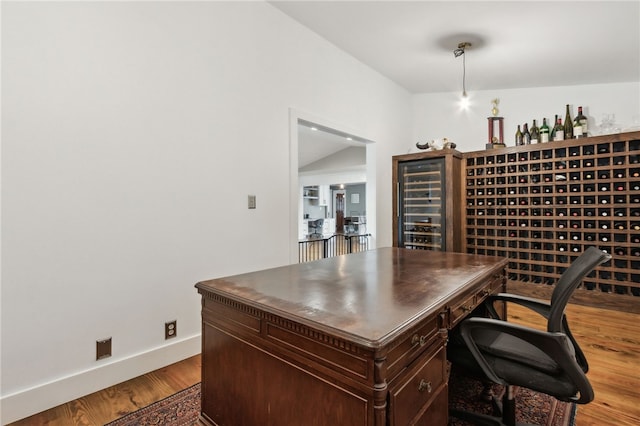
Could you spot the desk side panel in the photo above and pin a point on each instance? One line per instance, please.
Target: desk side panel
(246, 385)
(258, 369)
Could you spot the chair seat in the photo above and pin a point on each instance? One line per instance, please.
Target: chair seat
(510, 348)
(543, 378)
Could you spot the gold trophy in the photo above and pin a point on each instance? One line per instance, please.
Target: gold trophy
(495, 141)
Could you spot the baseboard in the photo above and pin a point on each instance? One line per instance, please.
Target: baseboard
(25, 403)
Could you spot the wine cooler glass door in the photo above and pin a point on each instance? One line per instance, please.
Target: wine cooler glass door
(421, 197)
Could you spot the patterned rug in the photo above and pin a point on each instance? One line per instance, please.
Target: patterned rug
(183, 408)
(532, 407)
(180, 409)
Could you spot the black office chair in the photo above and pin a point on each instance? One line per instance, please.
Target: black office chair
(315, 228)
(509, 354)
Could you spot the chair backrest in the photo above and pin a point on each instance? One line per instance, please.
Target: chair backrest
(569, 281)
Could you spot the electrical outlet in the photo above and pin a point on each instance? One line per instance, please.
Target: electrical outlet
(252, 201)
(103, 348)
(170, 329)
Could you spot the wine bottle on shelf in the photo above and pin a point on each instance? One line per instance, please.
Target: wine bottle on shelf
(535, 133)
(544, 131)
(619, 225)
(557, 134)
(580, 125)
(568, 125)
(519, 140)
(526, 136)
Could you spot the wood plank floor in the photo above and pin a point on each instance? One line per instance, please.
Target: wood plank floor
(113, 402)
(610, 340)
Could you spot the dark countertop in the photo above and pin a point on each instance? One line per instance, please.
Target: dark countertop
(368, 297)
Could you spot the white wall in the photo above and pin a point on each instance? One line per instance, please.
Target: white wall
(132, 133)
(439, 115)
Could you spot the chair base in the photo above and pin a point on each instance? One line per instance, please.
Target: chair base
(504, 412)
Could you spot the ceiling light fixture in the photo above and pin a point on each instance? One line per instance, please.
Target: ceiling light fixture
(460, 52)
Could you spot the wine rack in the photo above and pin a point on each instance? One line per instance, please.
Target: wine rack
(542, 205)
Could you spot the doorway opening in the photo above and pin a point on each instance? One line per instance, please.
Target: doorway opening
(330, 180)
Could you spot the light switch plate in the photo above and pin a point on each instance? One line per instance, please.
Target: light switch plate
(252, 201)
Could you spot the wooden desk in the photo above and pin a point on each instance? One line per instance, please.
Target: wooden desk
(358, 339)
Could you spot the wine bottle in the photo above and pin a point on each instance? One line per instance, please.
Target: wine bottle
(535, 133)
(558, 130)
(544, 131)
(580, 121)
(526, 136)
(620, 251)
(568, 125)
(519, 140)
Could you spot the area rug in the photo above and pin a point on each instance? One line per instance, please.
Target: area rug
(183, 408)
(531, 407)
(180, 409)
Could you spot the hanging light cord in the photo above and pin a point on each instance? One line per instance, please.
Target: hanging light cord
(464, 75)
(460, 51)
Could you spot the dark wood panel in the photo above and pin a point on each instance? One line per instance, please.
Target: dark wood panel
(242, 383)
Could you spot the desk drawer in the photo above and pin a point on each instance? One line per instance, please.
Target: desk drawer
(418, 388)
(412, 346)
(437, 413)
(469, 302)
(462, 309)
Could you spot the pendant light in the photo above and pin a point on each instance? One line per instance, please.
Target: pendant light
(462, 46)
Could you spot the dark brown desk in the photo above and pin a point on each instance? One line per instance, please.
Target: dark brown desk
(358, 339)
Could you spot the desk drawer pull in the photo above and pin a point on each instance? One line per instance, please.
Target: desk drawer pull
(466, 308)
(418, 340)
(424, 386)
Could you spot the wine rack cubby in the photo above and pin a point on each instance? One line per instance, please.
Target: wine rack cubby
(542, 205)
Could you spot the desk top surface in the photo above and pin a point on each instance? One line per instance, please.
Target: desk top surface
(367, 297)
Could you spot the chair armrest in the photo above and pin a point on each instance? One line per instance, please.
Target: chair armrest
(539, 306)
(558, 346)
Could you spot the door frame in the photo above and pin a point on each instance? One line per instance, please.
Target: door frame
(295, 199)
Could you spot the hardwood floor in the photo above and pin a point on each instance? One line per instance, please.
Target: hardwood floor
(113, 402)
(610, 340)
(611, 343)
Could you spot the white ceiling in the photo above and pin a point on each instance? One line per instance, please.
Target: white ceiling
(316, 142)
(515, 44)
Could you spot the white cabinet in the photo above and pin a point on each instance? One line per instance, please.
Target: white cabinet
(324, 195)
(329, 226)
(303, 229)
